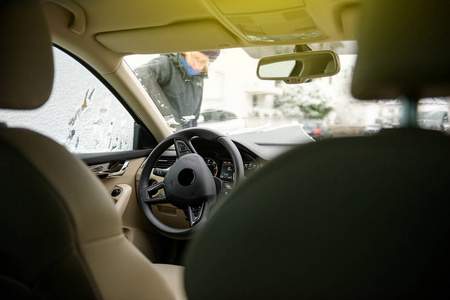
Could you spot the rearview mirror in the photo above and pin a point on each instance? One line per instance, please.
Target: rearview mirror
(299, 67)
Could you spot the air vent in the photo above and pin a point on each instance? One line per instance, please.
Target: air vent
(165, 162)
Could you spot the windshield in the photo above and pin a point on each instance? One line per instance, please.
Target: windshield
(220, 90)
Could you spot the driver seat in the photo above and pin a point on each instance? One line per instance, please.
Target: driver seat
(61, 234)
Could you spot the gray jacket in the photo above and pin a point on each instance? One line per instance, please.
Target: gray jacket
(183, 92)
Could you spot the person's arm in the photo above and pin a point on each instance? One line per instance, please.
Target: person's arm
(161, 68)
(197, 109)
(154, 76)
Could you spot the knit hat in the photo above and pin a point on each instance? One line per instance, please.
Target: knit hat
(212, 54)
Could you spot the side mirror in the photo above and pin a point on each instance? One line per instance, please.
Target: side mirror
(298, 67)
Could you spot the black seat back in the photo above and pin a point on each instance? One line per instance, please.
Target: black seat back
(350, 218)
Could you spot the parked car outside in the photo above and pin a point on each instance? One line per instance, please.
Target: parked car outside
(317, 129)
(224, 120)
(372, 129)
(434, 120)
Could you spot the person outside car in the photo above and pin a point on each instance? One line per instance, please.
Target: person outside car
(180, 77)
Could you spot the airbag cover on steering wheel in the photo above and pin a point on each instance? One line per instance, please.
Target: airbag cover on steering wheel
(189, 182)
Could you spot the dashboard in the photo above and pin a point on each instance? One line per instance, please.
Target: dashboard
(217, 159)
(221, 166)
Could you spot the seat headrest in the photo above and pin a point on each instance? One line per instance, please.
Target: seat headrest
(26, 57)
(403, 50)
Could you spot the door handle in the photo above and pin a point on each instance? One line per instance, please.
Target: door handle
(109, 170)
(118, 169)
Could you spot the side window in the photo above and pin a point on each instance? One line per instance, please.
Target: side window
(81, 113)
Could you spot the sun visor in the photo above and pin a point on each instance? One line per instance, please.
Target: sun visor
(268, 21)
(403, 50)
(165, 39)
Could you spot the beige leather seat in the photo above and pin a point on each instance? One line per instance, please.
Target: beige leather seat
(61, 237)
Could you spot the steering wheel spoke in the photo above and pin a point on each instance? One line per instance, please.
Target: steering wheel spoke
(195, 213)
(182, 147)
(160, 172)
(156, 200)
(151, 190)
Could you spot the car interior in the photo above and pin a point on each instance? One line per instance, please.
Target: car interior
(355, 217)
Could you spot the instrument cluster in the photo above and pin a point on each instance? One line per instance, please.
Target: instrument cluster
(224, 168)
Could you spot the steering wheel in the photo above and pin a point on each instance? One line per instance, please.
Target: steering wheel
(188, 184)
